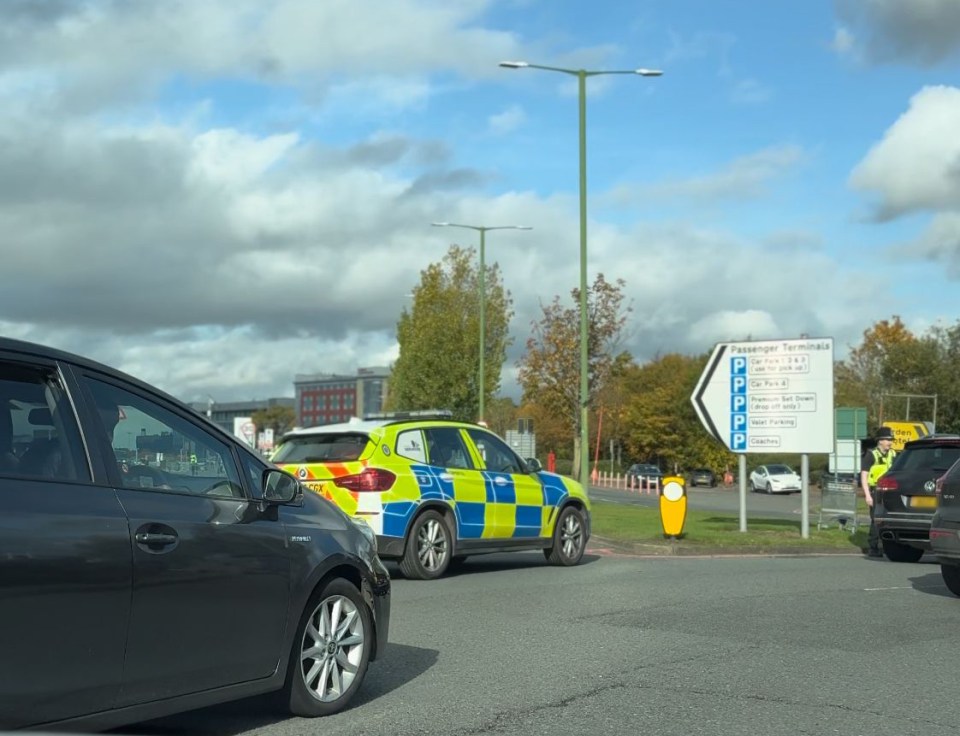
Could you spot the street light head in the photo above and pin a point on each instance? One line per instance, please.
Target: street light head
(514, 64)
(649, 72)
(440, 224)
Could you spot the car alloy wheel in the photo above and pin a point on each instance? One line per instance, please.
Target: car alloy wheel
(429, 548)
(332, 648)
(569, 538)
(331, 651)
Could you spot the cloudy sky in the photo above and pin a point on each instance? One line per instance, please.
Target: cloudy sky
(215, 195)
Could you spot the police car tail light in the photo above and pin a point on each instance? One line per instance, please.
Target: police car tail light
(887, 484)
(369, 479)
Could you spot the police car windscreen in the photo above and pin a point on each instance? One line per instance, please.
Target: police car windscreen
(326, 448)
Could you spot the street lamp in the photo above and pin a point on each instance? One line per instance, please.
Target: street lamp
(581, 75)
(483, 289)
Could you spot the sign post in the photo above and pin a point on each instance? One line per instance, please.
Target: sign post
(772, 396)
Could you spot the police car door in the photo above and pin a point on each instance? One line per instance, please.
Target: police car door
(515, 500)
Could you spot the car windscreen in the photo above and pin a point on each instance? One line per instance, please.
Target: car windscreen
(335, 447)
(937, 458)
(778, 470)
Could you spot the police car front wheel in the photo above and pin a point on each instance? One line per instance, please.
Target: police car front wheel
(569, 538)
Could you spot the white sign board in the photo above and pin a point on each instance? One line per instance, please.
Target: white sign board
(244, 429)
(773, 396)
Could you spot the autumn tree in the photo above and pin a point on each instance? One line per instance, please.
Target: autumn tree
(549, 372)
(891, 360)
(278, 418)
(660, 424)
(438, 365)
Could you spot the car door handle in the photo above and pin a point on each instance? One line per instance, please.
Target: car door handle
(156, 540)
(501, 481)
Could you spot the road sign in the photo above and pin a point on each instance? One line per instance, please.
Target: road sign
(904, 432)
(773, 396)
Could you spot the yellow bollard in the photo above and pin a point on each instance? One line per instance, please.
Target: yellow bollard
(673, 506)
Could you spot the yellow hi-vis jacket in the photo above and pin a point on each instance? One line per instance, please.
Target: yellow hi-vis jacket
(881, 464)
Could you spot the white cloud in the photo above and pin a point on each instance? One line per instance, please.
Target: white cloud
(507, 120)
(916, 166)
(843, 41)
(747, 177)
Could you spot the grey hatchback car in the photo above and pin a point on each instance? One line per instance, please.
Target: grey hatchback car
(150, 563)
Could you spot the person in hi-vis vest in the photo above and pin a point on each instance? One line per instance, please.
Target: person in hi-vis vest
(874, 463)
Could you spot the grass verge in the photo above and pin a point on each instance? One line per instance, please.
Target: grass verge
(638, 529)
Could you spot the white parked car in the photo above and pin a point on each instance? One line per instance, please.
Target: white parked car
(774, 479)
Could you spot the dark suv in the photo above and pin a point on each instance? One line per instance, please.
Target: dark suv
(151, 563)
(906, 498)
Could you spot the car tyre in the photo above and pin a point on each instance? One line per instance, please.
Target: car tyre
(330, 652)
(951, 578)
(569, 538)
(429, 547)
(896, 552)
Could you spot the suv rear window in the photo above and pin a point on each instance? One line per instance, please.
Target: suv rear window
(321, 448)
(927, 457)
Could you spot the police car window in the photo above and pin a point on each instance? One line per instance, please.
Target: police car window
(411, 445)
(445, 448)
(335, 447)
(39, 437)
(497, 456)
(154, 448)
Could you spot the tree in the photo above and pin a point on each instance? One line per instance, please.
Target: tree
(439, 362)
(549, 372)
(278, 418)
(890, 360)
(660, 423)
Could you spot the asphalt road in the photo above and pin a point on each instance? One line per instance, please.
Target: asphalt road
(778, 646)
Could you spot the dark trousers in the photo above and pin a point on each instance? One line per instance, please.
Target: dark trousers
(873, 537)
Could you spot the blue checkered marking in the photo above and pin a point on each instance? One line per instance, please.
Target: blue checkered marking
(529, 519)
(553, 489)
(470, 519)
(396, 517)
(497, 493)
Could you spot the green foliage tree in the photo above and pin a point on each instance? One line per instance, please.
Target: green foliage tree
(278, 418)
(660, 424)
(549, 372)
(501, 415)
(439, 362)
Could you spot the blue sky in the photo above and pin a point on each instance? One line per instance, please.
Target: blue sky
(218, 195)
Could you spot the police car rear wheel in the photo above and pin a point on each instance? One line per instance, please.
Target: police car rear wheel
(569, 538)
(428, 547)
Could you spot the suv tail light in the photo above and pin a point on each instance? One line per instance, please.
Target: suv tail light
(369, 479)
(887, 484)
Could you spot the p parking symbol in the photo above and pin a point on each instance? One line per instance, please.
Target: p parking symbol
(738, 441)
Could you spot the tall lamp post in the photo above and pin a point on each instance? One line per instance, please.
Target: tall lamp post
(482, 229)
(581, 75)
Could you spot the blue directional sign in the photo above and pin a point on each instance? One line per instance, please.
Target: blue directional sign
(769, 396)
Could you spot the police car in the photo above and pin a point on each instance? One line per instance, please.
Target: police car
(436, 491)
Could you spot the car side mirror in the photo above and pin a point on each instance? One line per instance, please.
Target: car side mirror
(279, 486)
(533, 465)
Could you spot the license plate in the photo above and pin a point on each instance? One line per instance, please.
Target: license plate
(923, 502)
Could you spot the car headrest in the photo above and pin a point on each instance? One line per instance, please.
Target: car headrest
(40, 418)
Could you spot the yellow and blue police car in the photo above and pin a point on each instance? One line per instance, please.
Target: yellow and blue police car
(435, 490)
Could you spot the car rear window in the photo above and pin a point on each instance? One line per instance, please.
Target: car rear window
(322, 448)
(930, 457)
